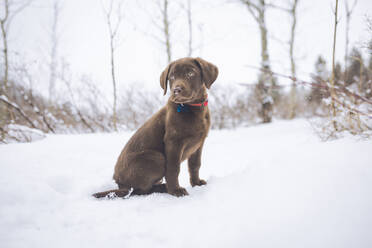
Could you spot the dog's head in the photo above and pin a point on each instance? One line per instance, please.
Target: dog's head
(188, 79)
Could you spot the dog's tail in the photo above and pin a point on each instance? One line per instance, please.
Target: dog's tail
(124, 193)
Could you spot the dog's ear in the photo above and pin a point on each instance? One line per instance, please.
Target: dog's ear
(209, 71)
(164, 78)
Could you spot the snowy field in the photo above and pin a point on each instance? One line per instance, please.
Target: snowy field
(271, 185)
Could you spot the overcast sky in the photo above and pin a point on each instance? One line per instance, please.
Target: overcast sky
(223, 30)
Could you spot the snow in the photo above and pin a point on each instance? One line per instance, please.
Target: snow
(19, 133)
(274, 185)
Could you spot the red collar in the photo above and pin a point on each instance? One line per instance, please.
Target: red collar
(186, 107)
(205, 103)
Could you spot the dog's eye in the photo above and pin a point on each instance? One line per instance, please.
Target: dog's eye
(190, 74)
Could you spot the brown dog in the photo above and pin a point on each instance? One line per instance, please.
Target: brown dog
(174, 134)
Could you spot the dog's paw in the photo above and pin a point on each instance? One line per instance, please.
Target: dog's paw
(199, 182)
(179, 192)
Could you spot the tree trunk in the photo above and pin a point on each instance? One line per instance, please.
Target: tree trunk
(265, 61)
(4, 87)
(293, 93)
(113, 31)
(333, 95)
(349, 11)
(114, 115)
(266, 79)
(53, 51)
(5, 113)
(166, 31)
(189, 22)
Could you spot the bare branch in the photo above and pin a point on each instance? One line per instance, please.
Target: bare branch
(251, 4)
(16, 11)
(119, 18)
(6, 16)
(324, 85)
(252, 8)
(18, 109)
(279, 7)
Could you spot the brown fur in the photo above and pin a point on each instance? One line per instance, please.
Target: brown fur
(157, 148)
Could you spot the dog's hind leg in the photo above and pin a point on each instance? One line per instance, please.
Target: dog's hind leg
(159, 188)
(123, 192)
(141, 172)
(156, 188)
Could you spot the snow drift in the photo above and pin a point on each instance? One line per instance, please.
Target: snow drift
(272, 185)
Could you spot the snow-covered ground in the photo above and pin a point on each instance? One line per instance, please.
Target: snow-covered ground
(271, 185)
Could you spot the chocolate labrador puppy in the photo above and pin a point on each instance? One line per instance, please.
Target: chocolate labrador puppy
(174, 134)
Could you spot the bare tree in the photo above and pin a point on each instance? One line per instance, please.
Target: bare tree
(113, 21)
(191, 45)
(349, 10)
(369, 42)
(293, 14)
(189, 25)
(257, 9)
(54, 47)
(166, 24)
(186, 7)
(162, 20)
(10, 11)
(333, 95)
(3, 22)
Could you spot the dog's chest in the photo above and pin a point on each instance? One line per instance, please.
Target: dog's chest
(188, 131)
(192, 142)
(190, 124)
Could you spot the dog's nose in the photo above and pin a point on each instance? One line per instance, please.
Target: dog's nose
(177, 90)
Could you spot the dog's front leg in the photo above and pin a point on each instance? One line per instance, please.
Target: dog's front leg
(194, 163)
(173, 153)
